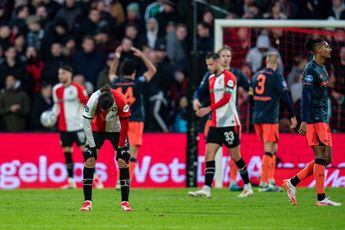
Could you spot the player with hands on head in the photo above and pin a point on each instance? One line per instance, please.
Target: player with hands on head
(132, 87)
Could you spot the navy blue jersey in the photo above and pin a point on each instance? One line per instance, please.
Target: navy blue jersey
(133, 90)
(314, 104)
(267, 86)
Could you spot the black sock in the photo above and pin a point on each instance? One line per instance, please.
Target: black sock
(133, 159)
(321, 196)
(294, 181)
(125, 183)
(69, 163)
(87, 182)
(210, 170)
(242, 169)
(269, 154)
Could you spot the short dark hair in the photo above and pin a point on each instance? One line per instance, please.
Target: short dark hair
(128, 67)
(106, 99)
(67, 68)
(213, 56)
(310, 43)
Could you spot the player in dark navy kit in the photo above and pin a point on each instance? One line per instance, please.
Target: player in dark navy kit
(202, 94)
(267, 87)
(132, 87)
(314, 107)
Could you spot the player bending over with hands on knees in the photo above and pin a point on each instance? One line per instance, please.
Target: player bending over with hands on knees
(106, 117)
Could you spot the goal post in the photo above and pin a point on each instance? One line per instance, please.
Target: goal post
(293, 28)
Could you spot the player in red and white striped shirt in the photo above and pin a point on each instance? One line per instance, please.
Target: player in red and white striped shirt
(106, 117)
(69, 100)
(225, 127)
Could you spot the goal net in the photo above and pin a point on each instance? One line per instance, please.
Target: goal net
(287, 37)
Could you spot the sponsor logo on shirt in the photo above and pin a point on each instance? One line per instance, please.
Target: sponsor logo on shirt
(126, 108)
(308, 78)
(87, 109)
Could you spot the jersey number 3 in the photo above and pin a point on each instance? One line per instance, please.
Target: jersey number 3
(260, 89)
(128, 94)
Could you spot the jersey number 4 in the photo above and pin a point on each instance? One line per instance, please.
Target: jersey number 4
(128, 94)
(260, 89)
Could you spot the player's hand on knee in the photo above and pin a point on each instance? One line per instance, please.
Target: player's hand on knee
(123, 153)
(90, 152)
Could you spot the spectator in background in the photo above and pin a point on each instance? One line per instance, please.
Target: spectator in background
(105, 44)
(5, 35)
(131, 32)
(274, 11)
(117, 12)
(41, 102)
(88, 62)
(14, 106)
(177, 47)
(256, 55)
(153, 9)
(35, 34)
(19, 19)
(208, 19)
(52, 64)
(56, 32)
(69, 12)
(151, 36)
(34, 68)
(155, 98)
(205, 41)
(90, 25)
(103, 76)
(12, 66)
(166, 15)
(251, 10)
(134, 17)
(20, 46)
(338, 10)
(42, 14)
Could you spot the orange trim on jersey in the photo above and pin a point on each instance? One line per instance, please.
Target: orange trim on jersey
(319, 134)
(207, 127)
(267, 132)
(135, 133)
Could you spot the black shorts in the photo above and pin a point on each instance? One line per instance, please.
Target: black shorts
(100, 137)
(229, 136)
(68, 138)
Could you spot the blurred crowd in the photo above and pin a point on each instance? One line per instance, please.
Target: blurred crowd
(38, 36)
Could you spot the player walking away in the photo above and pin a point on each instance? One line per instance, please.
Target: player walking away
(132, 88)
(69, 100)
(225, 54)
(314, 107)
(106, 117)
(225, 127)
(266, 89)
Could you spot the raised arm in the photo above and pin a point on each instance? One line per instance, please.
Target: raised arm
(151, 69)
(113, 67)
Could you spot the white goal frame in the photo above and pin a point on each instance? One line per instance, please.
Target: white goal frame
(220, 24)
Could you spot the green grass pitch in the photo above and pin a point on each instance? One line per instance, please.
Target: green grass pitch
(168, 209)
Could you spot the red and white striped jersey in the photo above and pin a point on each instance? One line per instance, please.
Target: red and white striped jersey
(68, 105)
(223, 93)
(103, 121)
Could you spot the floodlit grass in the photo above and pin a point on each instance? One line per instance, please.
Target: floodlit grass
(168, 209)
